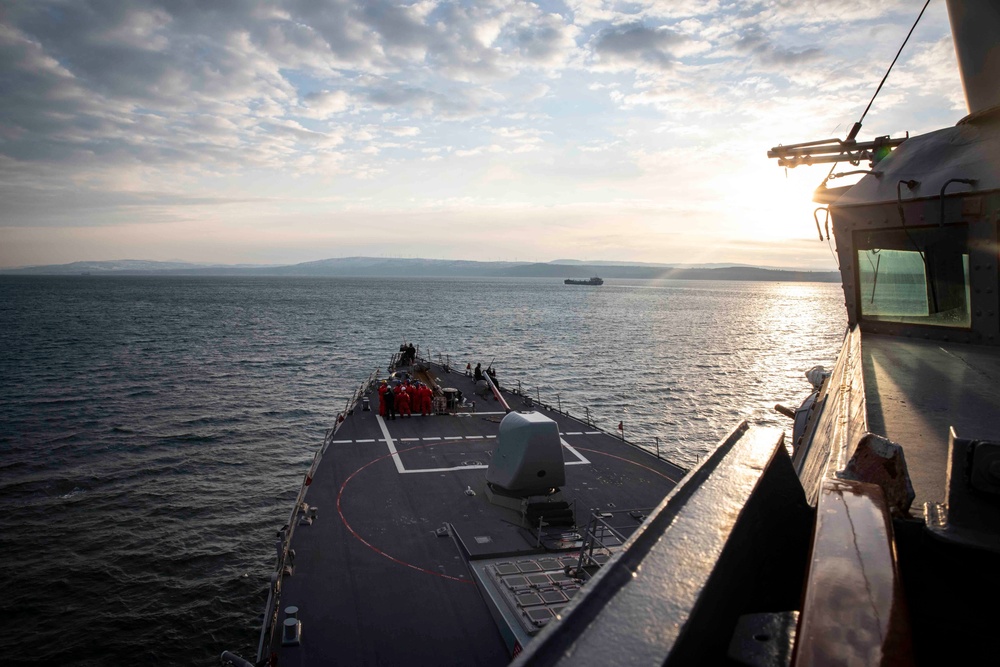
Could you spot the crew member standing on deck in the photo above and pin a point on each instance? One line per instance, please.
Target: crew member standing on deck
(382, 389)
(425, 400)
(403, 401)
(478, 373)
(390, 403)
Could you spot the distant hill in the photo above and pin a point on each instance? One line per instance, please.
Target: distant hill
(671, 273)
(363, 267)
(124, 266)
(392, 267)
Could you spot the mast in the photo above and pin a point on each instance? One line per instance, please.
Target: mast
(975, 26)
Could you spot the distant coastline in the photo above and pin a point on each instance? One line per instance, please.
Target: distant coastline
(365, 267)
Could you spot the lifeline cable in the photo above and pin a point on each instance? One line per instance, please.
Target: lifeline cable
(857, 126)
(901, 46)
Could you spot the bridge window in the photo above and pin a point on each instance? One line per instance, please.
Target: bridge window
(918, 276)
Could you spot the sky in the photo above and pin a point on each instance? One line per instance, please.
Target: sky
(231, 131)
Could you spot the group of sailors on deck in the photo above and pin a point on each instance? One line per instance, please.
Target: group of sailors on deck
(405, 398)
(477, 374)
(407, 354)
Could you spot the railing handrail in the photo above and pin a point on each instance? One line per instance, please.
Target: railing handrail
(526, 391)
(590, 538)
(286, 533)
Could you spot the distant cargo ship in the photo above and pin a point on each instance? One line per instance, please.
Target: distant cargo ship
(590, 281)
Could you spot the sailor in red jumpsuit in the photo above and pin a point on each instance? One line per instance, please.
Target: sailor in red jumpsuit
(382, 388)
(403, 402)
(425, 399)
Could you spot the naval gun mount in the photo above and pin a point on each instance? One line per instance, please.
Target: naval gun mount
(527, 471)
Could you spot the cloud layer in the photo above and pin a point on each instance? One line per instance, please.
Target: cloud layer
(321, 118)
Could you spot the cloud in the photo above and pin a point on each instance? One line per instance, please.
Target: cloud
(547, 40)
(754, 42)
(589, 12)
(212, 103)
(636, 46)
(404, 131)
(325, 104)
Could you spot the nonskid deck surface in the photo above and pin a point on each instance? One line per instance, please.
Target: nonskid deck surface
(916, 390)
(376, 580)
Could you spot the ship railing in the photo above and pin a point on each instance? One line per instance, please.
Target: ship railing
(602, 536)
(285, 558)
(418, 355)
(533, 396)
(441, 359)
(423, 357)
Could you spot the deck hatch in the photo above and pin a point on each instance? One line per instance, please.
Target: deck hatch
(540, 616)
(554, 596)
(533, 590)
(528, 599)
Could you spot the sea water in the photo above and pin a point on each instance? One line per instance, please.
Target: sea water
(154, 430)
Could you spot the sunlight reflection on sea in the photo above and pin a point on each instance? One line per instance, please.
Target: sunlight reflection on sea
(156, 429)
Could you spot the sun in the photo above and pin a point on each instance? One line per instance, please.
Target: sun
(774, 204)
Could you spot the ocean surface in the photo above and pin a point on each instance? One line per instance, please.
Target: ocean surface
(154, 430)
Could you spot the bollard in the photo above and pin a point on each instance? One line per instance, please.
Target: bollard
(291, 633)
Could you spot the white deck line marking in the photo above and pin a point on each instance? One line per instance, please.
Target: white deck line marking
(392, 446)
(473, 437)
(409, 439)
(491, 437)
(581, 457)
(581, 460)
(447, 469)
(485, 413)
(369, 440)
(341, 442)
(574, 433)
(593, 433)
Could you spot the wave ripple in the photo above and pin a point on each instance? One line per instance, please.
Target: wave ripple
(156, 429)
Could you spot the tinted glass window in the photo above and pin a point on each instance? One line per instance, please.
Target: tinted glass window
(919, 276)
